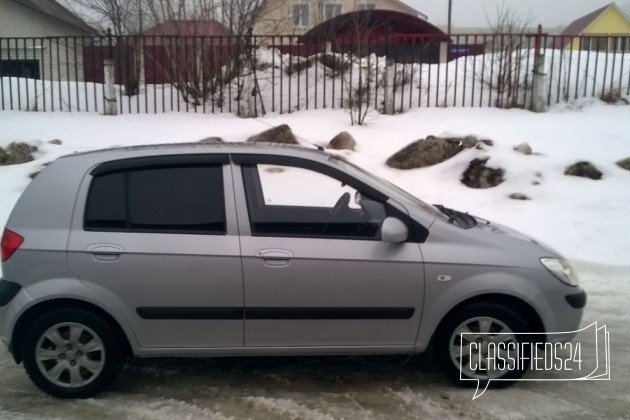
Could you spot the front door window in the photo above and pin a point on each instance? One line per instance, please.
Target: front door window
(293, 201)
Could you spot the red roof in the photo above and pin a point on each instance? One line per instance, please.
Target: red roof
(380, 21)
(189, 28)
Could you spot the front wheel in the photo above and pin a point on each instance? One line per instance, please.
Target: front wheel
(71, 353)
(485, 342)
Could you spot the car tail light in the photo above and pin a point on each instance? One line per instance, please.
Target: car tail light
(11, 241)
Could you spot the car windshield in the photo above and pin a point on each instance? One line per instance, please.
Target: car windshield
(388, 185)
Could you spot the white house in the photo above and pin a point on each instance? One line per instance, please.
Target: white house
(41, 39)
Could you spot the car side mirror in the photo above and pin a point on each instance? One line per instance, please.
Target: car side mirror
(394, 231)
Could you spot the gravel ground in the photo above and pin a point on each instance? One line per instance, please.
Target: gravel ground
(401, 387)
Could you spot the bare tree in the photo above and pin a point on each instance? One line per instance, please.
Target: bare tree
(121, 16)
(360, 66)
(199, 64)
(510, 48)
(240, 15)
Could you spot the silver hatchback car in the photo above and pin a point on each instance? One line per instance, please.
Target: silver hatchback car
(237, 249)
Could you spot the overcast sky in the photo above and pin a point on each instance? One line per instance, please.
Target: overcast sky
(472, 13)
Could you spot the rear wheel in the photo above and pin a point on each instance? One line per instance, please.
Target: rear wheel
(483, 341)
(71, 353)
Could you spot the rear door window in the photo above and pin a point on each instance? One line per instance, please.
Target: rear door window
(182, 199)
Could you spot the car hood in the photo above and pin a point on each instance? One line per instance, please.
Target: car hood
(487, 243)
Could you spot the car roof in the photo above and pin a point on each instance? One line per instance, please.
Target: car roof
(198, 147)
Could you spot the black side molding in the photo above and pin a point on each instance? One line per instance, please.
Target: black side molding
(328, 313)
(8, 290)
(577, 300)
(189, 313)
(234, 313)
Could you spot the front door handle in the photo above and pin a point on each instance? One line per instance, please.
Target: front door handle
(275, 257)
(105, 252)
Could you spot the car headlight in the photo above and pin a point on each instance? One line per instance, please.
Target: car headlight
(561, 269)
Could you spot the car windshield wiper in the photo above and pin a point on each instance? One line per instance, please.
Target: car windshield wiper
(463, 220)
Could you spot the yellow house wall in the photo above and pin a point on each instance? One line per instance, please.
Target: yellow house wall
(611, 22)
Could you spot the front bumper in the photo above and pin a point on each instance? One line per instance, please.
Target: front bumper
(577, 300)
(560, 310)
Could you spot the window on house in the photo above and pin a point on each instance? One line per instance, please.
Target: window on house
(594, 43)
(366, 5)
(331, 10)
(621, 43)
(601, 43)
(20, 68)
(301, 14)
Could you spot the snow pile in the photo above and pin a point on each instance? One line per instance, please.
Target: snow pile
(585, 219)
(582, 218)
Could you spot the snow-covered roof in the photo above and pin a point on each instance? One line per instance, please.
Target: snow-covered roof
(56, 11)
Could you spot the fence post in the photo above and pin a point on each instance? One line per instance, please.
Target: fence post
(246, 104)
(109, 98)
(539, 103)
(390, 81)
(246, 108)
(443, 52)
(109, 70)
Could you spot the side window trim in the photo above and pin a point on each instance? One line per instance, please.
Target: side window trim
(164, 161)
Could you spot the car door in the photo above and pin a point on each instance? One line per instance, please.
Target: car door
(158, 240)
(315, 271)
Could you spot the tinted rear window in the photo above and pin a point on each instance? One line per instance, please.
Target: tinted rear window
(186, 199)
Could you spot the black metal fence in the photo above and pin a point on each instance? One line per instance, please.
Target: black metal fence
(388, 72)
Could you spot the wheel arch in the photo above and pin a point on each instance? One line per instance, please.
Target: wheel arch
(32, 313)
(522, 307)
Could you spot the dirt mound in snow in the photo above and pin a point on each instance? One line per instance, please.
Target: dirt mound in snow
(280, 134)
(431, 151)
(584, 169)
(16, 153)
(478, 175)
(342, 141)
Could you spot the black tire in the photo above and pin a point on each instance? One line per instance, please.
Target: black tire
(77, 347)
(475, 314)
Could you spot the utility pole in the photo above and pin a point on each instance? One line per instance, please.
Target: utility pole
(140, 28)
(450, 13)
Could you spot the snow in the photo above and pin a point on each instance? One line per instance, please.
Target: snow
(586, 220)
(579, 217)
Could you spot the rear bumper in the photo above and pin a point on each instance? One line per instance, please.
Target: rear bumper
(8, 290)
